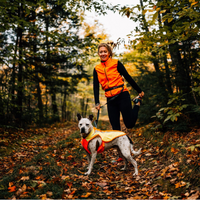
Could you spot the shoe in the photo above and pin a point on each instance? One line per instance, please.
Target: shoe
(137, 99)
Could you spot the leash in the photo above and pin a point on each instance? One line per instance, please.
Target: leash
(96, 121)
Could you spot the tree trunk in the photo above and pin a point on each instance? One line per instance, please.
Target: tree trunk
(153, 53)
(86, 107)
(181, 76)
(13, 76)
(20, 73)
(64, 108)
(39, 96)
(167, 75)
(82, 103)
(167, 71)
(182, 80)
(51, 85)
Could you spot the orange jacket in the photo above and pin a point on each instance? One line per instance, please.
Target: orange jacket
(106, 136)
(85, 143)
(109, 77)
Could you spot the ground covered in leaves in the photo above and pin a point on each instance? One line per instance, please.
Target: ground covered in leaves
(50, 163)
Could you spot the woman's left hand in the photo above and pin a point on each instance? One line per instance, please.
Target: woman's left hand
(141, 94)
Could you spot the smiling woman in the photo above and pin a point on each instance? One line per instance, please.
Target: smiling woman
(109, 74)
(104, 52)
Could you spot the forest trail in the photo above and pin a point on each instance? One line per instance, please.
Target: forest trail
(53, 167)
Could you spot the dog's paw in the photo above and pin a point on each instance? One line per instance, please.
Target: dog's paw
(139, 151)
(123, 169)
(135, 174)
(87, 173)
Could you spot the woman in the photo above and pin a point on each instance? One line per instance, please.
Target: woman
(109, 74)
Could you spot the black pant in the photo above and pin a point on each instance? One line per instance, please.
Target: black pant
(122, 103)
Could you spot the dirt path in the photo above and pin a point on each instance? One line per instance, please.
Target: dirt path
(54, 166)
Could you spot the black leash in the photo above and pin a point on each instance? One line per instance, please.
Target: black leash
(96, 121)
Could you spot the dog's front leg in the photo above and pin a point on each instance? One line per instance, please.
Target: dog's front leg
(88, 159)
(93, 157)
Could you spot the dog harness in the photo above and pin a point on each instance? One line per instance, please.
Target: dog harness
(110, 79)
(106, 136)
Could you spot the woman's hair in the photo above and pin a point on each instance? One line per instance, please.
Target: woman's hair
(107, 47)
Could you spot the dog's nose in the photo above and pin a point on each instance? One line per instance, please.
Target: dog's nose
(83, 130)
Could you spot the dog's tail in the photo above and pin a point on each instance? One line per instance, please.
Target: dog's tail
(136, 153)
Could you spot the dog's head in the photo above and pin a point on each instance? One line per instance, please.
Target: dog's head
(85, 125)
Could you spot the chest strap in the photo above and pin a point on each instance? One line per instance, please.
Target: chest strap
(112, 88)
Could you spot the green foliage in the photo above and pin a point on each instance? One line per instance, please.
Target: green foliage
(43, 57)
(167, 39)
(177, 116)
(172, 113)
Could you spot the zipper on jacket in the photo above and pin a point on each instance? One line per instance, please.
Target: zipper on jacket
(107, 77)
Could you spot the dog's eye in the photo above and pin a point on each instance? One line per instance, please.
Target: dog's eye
(87, 124)
(80, 124)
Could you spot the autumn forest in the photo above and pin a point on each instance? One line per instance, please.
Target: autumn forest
(47, 55)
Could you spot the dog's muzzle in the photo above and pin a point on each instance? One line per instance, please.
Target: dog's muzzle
(83, 130)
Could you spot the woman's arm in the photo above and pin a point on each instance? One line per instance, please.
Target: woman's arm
(122, 70)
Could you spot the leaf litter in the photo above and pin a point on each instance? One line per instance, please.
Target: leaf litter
(54, 166)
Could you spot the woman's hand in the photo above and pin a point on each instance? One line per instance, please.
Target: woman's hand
(141, 94)
(98, 106)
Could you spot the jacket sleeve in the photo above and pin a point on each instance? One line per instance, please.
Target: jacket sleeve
(121, 69)
(95, 87)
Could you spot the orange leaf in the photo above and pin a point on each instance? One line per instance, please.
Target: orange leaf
(69, 185)
(173, 150)
(43, 196)
(12, 189)
(59, 164)
(72, 192)
(86, 195)
(10, 184)
(180, 184)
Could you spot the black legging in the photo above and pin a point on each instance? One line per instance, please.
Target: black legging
(122, 103)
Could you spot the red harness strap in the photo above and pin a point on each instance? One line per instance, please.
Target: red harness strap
(85, 143)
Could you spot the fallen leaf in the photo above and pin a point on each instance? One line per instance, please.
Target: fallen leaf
(86, 195)
(173, 180)
(194, 196)
(10, 184)
(180, 184)
(101, 184)
(12, 189)
(43, 196)
(187, 194)
(24, 178)
(173, 150)
(87, 185)
(49, 193)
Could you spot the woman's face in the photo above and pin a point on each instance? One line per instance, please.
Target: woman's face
(103, 53)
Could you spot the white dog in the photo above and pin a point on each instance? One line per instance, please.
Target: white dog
(95, 141)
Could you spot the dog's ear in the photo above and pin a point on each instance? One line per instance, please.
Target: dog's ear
(79, 116)
(91, 117)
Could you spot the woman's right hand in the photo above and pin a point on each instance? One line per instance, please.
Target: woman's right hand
(98, 106)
